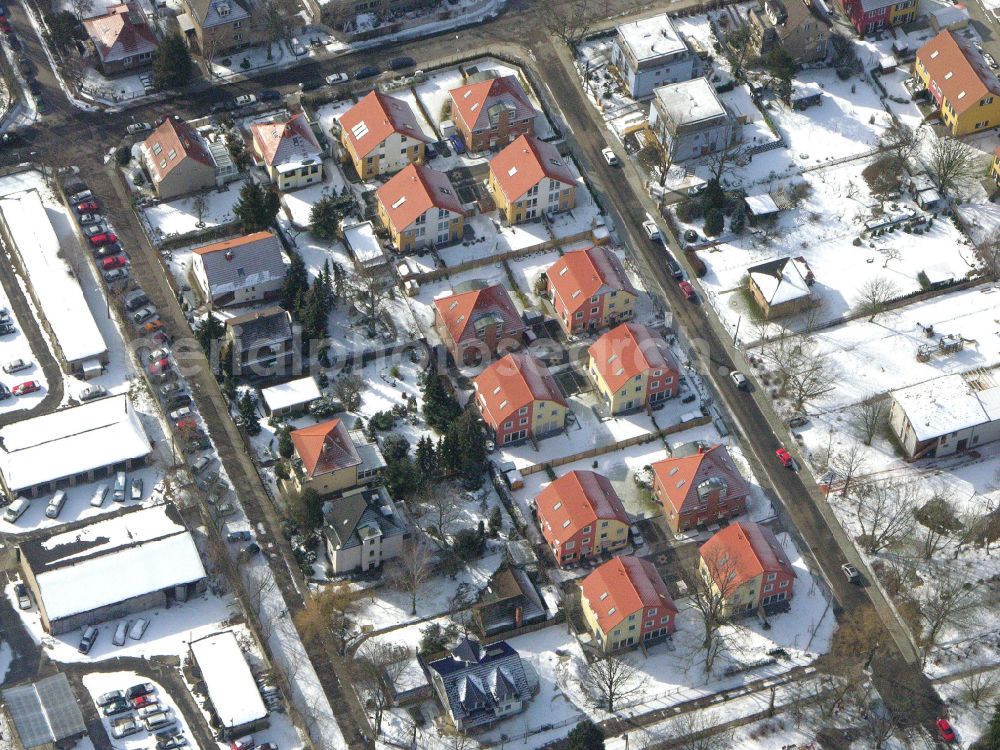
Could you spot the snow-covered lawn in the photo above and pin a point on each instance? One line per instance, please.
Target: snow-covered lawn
(298, 203)
(178, 217)
(98, 683)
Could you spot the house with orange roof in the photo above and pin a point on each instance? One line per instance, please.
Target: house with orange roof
(240, 270)
(331, 459)
(491, 113)
(965, 89)
(288, 149)
(519, 399)
(625, 602)
(419, 207)
(122, 39)
(179, 161)
(747, 567)
(633, 368)
(581, 516)
(589, 289)
(380, 135)
(530, 178)
(477, 323)
(699, 485)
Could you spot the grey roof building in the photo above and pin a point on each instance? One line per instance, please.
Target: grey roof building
(362, 528)
(45, 712)
(690, 119)
(481, 685)
(263, 342)
(240, 270)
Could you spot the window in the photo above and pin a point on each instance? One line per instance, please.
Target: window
(586, 530)
(649, 623)
(655, 384)
(665, 620)
(524, 420)
(523, 410)
(579, 314)
(604, 524)
(771, 576)
(569, 545)
(768, 587)
(508, 425)
(783, 584)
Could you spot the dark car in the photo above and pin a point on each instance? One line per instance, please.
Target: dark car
(398, 63)
(117, 707)
(4, 392)
(227, 105)
(366, 72)
(239, 536)
(135, 300)
(674, 267)
(310, 85)
(143, 688)
(178, 401)
(107, 251)
(269, 95)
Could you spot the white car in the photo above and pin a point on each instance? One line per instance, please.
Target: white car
(335, 78)
(138, 127)
(245, 100)
(652, 231)
(610, 157)
(739, 380)
(990, 60)
(16, 365)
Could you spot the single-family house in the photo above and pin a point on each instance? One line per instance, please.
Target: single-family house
(625, 602)
(952, 17)
(794, 25)
(869, 16)
(650, 52)
(690, 119)
(477, 324)
(530, 178)
(288, 149)
(491, 113)
(239, 271)
(180, 161)
(963, 86)
(747, 567)
(519, 399)
(782, 286)
(633, 368)
(263, 343)
(589, 289)
(361, 529)
(330, 459)
(698, 487)
(581, 517)
(122, 39)
(419, 207)
(509, 601)
(218, 27)
(380, 135)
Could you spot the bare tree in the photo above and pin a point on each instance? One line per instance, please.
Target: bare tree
(200, 206)
(456, 739)
(989, 253)
(856, 642)
(980, 526)
(949, 601)
(443, 507)
(347, 389)
(723, 161)
(939, 521)
(378, 663)
(715, 581)
(890, 254)
(413, 570)
(884, 512)
(371, 290)
(613, 679)
(979, 688)
(870, 414)
(901, 140)
(875, 295)
(570, 20)
(82, 8)
(804, 373)
(276, 20)
(877, 722)
(696, 731)
(323, 613)
(848, 463)
(952, 164)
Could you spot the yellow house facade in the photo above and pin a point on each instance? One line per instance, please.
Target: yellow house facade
(380, 135)
(962, 86)
(429, 228)
(628, 628)
(995, 167)
(530, 178)
(740, 598)
(389, 156)
(544, 196)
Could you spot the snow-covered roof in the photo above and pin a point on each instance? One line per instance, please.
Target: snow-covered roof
(70, 442)
(112, 561)
(228, 679)
(651, 38)
(364, 245)
(292, 393)
(761, 205)
(781, 281)
(690, 102)
(947, 404)
(53, 283)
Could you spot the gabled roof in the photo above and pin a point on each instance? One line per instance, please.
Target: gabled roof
(629, 350)
(512, 382)
(413, 191)
(581, 274)
(171, 144)
(460, 312)
(577, 500)
(357, 511)
(325, 448)
(623, 586)
(745, 550)
(374, 118)
(121, 32)
(269, 326)
(959, 70)
(209, 13)
(480, 104)
(289, 141)
(781, 280)
(241, 262)
(681, 477)
(525, 162)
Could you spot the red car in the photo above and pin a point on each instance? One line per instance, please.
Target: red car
(686, 289)
(785, 457)
(144, 700)
(945, 732)
(159, 366)
(23, 389)
(88, 207)
(115, 261)
(103, 238)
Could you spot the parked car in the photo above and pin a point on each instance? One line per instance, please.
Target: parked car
(138, 629)
(799, 420)
(56, 504)
(97, 499)
(23, 597)
(785, 457)
(135, 299)
(687, 290)
(136, 489)
(29, 386)
(159, 353)
(115, 261)
(159, 367)
(225, 509)
(104, 238)
(609, 156)
(142, 688)
(138, 127)
(87, 207)
(90, 219)
(239, 536)
(158, 720)
(118, 639)
(335, 78)
(227, 105)
(171, 742)
(169, 388)
(652, 231)
(250, 550)
(115, 274)
(945, 732)
(245, 100)
(110, 697)
(851, 573)
(16, 365)
(15, 510)
(143, 314)
(739, 380)
(150, 710)
(107, 250)
(366, 72)
(93, 392)
(124, 727)
(160, 338)
(270, 95)
(152, 326)
(674, 267)
(201, 464)
(83, 195)
(117, 707)
(178, 415)
(4, 392)
(94, 228)
(401, 63)
(456, 143)
(120, 485)
(179, 401)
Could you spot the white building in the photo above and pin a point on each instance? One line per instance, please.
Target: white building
(230, 684)
(295, 395)
(690, 119)
(362, 529)
(946, 415)
(650, 53)
(365, 248)
(54, 286)
(239, 270)
(71, 446)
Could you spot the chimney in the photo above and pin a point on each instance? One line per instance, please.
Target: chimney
(518, 617)
(229, 254)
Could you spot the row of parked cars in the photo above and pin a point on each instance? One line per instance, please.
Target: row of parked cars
(7, 328)
(138, 709)
(123, 489)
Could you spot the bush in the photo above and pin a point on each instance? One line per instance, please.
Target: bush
(382, 420)
(715, 222)
(690, 211)
(698, 265)
(713, 196)
(123, 155)
(739, 221)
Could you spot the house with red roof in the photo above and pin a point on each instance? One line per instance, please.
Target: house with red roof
(180, 161)
(747, 567)
(589, 289)
(122, 39)
(380, 135)
(581, 516)
(492, 113)
(530, 178)
(633, 368)
(331, 459)
(699, 485)
(419, 207)
(477, 324)
(519, 399)
(625, 602)
(288, 149)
